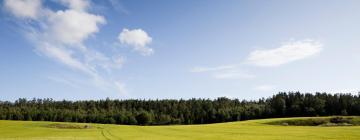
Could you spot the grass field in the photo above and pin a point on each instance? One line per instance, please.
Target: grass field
(244, 130)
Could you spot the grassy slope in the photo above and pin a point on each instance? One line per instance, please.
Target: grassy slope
(246, 130)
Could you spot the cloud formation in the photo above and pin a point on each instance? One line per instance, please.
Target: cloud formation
(72, 27)
(24, 8)
(288, 52)
(60, 35)
(64, 56)
(138, 39)
(224, 72)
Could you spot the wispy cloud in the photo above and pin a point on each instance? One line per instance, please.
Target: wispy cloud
(79, 5)
(64, 56)
(60, 35)
(288, 52)
(224, 72)
(118, 6)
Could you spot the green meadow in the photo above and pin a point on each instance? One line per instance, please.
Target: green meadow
(244, 130)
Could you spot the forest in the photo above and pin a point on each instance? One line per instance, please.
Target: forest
(181, 111)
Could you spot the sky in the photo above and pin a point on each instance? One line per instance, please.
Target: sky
(159, 49)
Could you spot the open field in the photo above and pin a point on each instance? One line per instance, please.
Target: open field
(244, 130)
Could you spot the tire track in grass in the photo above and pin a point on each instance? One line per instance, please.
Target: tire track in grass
(112, 135)
(105, 133)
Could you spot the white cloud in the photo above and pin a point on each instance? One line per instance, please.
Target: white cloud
(79, 5)
(265, 88)
(287, 52)
(72, 27)
(65, 30)
(24, 8)
(138, 39)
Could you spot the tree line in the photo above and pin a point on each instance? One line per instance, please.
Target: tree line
(191, 111)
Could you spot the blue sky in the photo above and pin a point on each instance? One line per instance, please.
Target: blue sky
(82, 49)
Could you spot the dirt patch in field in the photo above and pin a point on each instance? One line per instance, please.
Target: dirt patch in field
(69, 126)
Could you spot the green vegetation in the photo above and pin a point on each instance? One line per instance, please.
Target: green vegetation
(323, 121)
(192, 111)
(243, 130)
